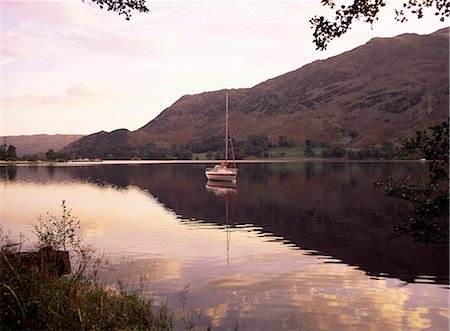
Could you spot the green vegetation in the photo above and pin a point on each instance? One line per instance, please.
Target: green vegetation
(429, 201)
(38, 301)
(8, 153)
(291, 152)
(254, 146)
(259, 146)
(213, 148)
(59, 233)
(127, 152)
(312, 148)
(32, 297)
(284, 141)
(51, 155)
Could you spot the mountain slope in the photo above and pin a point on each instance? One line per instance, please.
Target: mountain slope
(382, 91)
(39, 143)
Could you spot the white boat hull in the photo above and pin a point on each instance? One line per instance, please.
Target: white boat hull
(226, 175)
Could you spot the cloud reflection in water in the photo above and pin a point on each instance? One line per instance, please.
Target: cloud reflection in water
(177, 234)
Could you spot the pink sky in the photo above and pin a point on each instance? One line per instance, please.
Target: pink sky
(69, 67)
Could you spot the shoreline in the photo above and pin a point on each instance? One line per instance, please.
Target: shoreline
(139, 162)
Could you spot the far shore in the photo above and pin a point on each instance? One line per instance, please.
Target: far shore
(123, 162)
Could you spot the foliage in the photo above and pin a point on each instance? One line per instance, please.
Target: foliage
(51, 155)
(212, 144)
(122, 7)
(182, 154)
(59, 233)
(257, 145)
(284, 141)
(30, 157)
(334, 151)
(385, 151)
(124, 151)
(39, 301)
(8, 153)
(434, 148)
(429, 200)
(326, 30)
(442, 9)
(254, 145)
(309, 151)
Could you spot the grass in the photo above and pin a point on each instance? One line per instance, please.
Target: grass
(287, 152)
(37, 300)
(199, 156)
(291, 152)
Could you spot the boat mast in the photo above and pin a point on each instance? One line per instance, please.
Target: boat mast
(226, 129)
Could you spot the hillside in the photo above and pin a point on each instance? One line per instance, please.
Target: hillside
(39, 143)
(382, 91)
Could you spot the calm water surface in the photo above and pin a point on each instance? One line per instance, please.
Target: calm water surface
(295, 246)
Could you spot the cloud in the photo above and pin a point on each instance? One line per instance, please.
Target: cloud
(73, 96)
(64, 28)
(117, 44)
(80, 90)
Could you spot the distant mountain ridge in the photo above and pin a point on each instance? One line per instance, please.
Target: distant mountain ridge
(39, 143)
(379, 92)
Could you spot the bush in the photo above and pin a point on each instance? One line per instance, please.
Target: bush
(428, 200)
(59, 233)
(37, 301)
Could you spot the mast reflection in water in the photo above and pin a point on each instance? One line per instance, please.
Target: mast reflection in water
(310, 247)
(224, 190)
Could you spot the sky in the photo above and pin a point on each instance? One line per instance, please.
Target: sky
(68, 67)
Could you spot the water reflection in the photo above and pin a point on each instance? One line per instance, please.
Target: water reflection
(225, 190)
(8, 172)
(329, 209)
(294, 246)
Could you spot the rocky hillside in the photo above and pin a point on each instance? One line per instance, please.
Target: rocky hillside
(39, 143)
(384, 90)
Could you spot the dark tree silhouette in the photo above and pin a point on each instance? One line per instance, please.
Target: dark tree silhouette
(428, 221)
(8, 153)
(326, 29)
(122, 7)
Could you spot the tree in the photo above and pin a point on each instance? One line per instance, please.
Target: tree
(122, 7)
(3, 152)
(11, 153)
(334, 151)
(8, 152)
(183, 154)
(309, 151)
(51, 155)
(429, 200)
(220, 154)
(326, 30)
(283, 141)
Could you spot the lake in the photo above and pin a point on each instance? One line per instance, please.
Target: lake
(294, 246)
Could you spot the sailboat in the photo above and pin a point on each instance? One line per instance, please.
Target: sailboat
(221, 171)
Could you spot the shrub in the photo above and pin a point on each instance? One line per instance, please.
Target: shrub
(59, 233)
